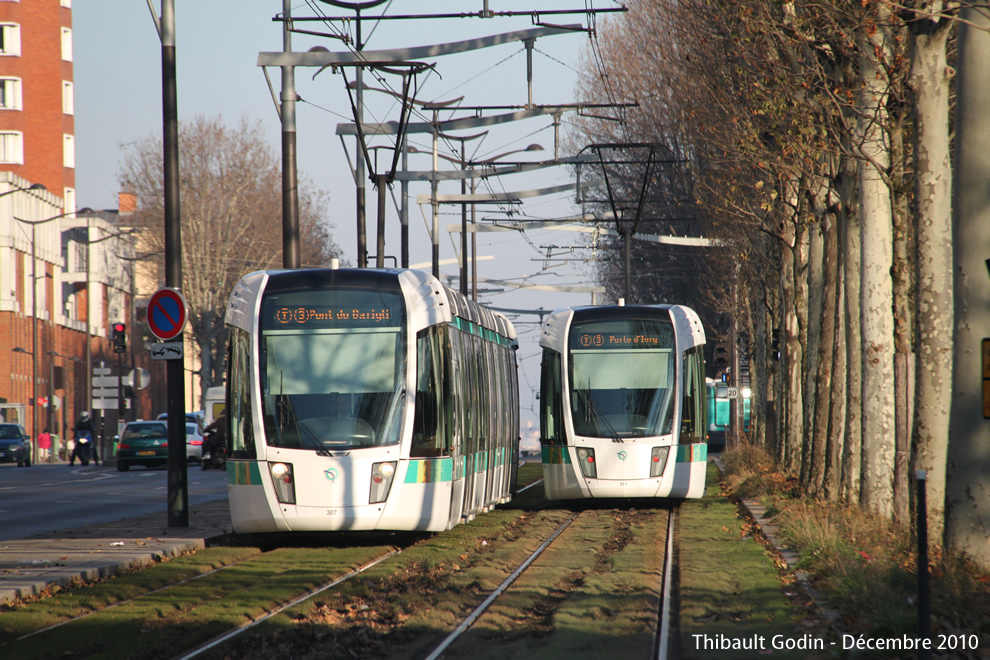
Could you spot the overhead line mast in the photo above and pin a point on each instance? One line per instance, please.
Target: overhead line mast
(407, 57)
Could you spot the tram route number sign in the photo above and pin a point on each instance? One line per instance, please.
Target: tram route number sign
(167, 313)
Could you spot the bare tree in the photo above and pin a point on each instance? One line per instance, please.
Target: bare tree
(230, 209)
(967, 510)
(930, 83)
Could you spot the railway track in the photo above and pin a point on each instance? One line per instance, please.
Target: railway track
(505, 604)
(551, 580)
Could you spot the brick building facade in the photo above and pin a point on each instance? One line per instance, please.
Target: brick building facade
(63, 275)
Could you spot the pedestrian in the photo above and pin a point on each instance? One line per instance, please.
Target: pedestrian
(44, 444)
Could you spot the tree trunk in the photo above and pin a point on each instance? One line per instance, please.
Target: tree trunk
(837, 408)
(967, 510)
(933, 172)
(876, 296)
(815, 286)
(792, 422)
(826, 345)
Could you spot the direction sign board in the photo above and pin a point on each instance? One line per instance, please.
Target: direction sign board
(105, 381)
(167, 312)
(105, 404)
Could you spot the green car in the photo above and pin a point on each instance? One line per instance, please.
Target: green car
(142, 443)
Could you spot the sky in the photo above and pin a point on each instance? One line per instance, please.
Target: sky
(117, 69)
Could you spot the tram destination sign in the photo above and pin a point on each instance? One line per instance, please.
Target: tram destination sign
(331, 309)
(329, 316)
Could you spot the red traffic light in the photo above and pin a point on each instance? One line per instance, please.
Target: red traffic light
(118, 327)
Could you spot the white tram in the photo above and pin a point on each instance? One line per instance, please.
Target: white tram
(366, 400)
(623, 402)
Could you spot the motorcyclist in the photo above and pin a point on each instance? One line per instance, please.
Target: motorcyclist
(216, 436)
(84, 425)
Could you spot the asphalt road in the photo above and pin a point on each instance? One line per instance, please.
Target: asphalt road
(45, 498)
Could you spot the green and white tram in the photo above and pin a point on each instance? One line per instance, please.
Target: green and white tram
(366, 400)
(623, 402)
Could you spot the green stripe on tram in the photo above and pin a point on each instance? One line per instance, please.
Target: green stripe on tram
(556, 455)
(692, 453)
(429, 471)
(243, 473)
(473, 328)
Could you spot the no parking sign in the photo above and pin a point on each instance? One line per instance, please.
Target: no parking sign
(167, 313)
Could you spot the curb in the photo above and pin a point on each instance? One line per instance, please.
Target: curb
(31, 567)
(770, 532)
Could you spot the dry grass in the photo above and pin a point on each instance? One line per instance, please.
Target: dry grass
(865, 565)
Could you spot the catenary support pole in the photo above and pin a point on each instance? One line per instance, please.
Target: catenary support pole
(178, 486)
(290, 183)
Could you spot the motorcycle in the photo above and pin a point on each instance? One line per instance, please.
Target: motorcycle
(214, 453)
(84, 448)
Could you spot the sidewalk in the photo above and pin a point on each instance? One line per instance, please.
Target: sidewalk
(30, 566)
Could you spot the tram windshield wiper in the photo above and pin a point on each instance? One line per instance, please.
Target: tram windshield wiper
(608, 425)
(598, 417)
(286, 414)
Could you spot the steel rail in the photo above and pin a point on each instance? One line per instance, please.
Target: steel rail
(538, 481)
(220, 639)
(125, 602)
(469, 621)
(663, 633)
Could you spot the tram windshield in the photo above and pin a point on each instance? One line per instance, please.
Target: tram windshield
(332, 368)
(621, 376)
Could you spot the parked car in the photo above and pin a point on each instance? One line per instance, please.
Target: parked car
(142, 443)
(15, 445)
(194, 443)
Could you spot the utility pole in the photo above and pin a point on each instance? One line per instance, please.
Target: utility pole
(290, 182)
(178, 483)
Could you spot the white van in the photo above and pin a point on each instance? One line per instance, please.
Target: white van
(213, 403)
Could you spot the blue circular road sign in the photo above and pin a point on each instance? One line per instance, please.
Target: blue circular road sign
(167, 312)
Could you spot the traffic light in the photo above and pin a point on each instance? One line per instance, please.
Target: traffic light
(721, 355)
(775, 344)
(119, 338)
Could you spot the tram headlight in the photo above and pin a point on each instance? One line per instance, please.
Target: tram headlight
(658, 460)
(381, 481)
(586, 457)
(285, 485)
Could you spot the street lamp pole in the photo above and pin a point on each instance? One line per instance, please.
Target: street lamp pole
(34, 349)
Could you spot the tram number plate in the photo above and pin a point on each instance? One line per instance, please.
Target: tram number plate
(331, 512)
(623, 483)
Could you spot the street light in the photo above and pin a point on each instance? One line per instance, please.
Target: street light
(470, 163)
(17, 189)
(34, 324)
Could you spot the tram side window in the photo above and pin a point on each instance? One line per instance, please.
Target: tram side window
(447, 391)
(551, 388)
(459, 385)
(693, 408)
(427, 439)
(239, 417)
